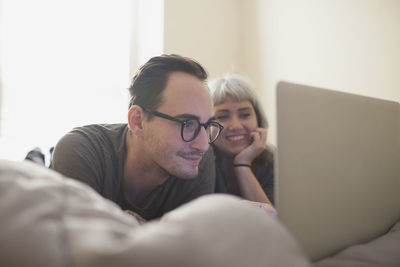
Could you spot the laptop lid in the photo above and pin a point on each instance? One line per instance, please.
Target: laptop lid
(337, 167)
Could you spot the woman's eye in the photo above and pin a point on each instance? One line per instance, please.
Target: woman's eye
(221, 117)
(245, 115)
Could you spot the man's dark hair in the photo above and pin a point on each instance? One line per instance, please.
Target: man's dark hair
(152, 77)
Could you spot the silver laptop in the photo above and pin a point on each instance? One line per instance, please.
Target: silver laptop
(338, 167)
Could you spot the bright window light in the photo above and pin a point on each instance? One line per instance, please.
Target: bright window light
(64, 64)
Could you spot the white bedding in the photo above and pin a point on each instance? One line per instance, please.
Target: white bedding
(49, 220)
(381, 252)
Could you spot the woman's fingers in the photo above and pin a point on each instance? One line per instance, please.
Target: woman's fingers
(258, 144)
(260, 136)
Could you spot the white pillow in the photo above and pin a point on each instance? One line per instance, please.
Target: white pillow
(383, 251)
(49, 220)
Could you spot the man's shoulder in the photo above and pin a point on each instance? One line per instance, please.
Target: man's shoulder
(92, 154)
(94, 137)
(98, 134)
(96, 129)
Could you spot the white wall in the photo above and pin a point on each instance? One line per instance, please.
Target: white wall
(346, 45)
(1, 83)
(208, 31)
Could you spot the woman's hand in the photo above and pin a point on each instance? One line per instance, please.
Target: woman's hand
(266, 207)
(139, 218)
(257, 146)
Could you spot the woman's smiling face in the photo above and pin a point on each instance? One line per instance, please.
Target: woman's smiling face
(239, 120)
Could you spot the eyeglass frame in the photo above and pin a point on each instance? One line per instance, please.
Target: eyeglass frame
(183, 122)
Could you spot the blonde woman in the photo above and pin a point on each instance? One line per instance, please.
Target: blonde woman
(244, 164)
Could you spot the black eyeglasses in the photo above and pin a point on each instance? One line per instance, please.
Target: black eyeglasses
(190, 128)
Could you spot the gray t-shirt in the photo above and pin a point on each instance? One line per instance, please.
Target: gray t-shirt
(95, 154)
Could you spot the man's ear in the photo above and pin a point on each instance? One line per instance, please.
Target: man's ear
(136, 119)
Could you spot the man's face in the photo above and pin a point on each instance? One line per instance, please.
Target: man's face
(185, 96)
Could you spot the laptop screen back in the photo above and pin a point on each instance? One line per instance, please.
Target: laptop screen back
(338, 175)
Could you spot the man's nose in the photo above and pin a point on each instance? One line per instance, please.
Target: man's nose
(200, 143)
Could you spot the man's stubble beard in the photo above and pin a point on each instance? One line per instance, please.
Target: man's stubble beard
(161, 154)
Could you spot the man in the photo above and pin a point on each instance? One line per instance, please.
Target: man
(158, 160)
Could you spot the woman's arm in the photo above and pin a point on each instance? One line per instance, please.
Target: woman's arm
(249, 186)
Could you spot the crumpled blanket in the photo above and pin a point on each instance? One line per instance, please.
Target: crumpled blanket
(49, 220)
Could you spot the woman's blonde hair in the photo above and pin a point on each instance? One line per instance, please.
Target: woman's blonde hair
(239, 88)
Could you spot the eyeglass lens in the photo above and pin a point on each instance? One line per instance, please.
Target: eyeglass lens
(191, 128)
